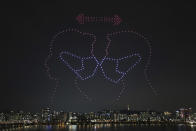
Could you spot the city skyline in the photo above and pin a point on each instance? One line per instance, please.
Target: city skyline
(47, 116)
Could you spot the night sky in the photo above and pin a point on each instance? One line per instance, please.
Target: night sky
(28, 28)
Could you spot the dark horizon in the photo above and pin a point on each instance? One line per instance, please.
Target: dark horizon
(30, 26)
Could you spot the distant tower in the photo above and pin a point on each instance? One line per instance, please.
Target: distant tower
(128, 107)
(46, 116)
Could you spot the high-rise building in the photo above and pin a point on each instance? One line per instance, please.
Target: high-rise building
(46, 115)
(2, 117)
(128, 107)
(185, 113)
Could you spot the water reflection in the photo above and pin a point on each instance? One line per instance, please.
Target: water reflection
(49, 127)
(193, 127)
(72, 127)
(182, 127)
(106, 127)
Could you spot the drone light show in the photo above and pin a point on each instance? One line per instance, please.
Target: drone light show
(98, 56)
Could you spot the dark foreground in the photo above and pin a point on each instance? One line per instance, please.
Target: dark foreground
(105, 127)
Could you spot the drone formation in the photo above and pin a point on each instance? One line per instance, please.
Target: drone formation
(82, 71)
